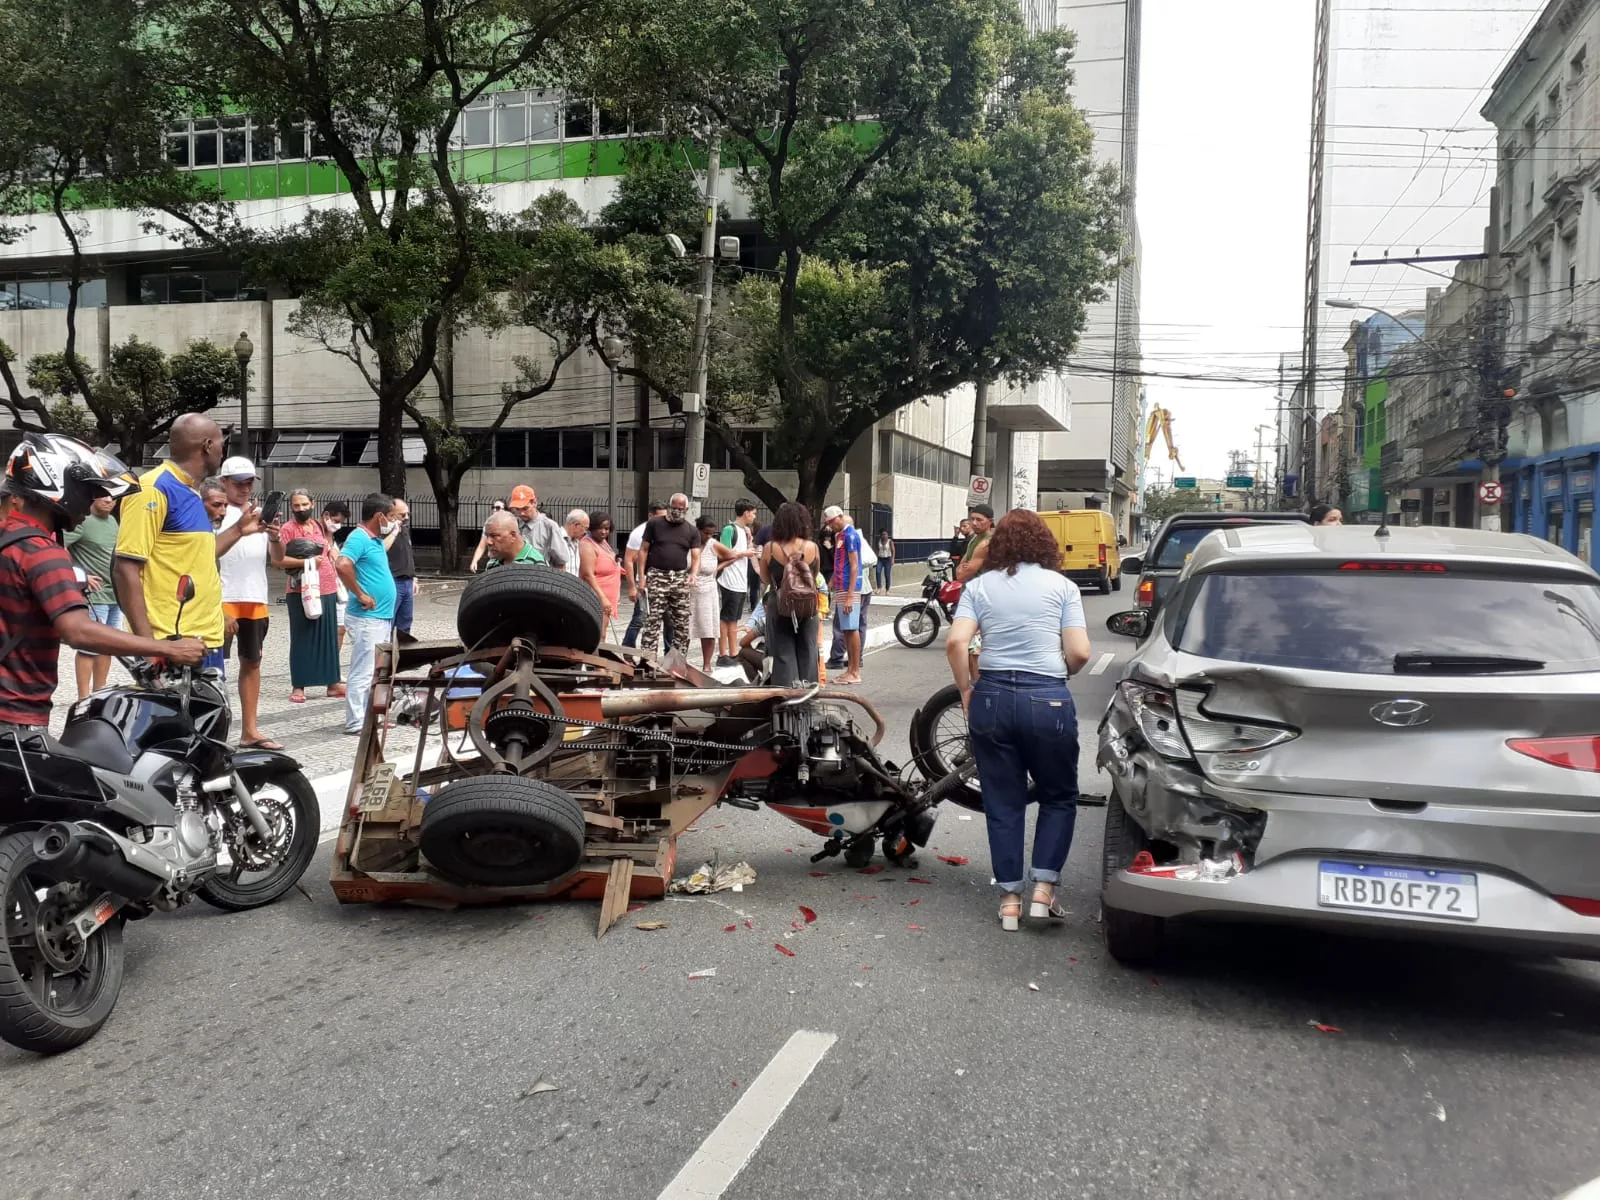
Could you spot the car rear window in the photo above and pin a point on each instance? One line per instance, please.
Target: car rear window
(1357, 621)
(1176, 547)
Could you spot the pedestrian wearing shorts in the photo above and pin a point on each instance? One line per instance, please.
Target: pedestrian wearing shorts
(92, 545)
(245, 599)
(733, 581)
(845, 586)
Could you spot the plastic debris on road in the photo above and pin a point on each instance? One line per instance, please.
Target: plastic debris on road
(711, 878)
(647, 925)
(1321, 1028)
(955, 860)
(729, 928)
(914, 879)
(807, 914)
(782, 949)
(708, 973)
(1033, 987)
(538, 1089)
(1208, 870)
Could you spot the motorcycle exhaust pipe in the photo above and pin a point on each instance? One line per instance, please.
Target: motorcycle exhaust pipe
(66, 851)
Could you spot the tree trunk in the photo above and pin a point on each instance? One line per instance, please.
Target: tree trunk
(391, 440)
(449, 530)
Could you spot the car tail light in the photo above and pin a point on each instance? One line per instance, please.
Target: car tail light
(1212, 734)
(1397, 568)
(1147, 593)
(1574, 753)
(1157, 715)
(1580, 905)
(1102, 554)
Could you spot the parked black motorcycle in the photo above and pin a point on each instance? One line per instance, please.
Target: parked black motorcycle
(140, 805)
(917, 624)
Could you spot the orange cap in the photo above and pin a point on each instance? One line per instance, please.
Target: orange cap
(522, 494)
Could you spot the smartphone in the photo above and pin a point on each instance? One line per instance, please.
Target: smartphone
(272, 507)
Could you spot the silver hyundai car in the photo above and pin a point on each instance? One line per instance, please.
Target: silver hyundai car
(1371, 729)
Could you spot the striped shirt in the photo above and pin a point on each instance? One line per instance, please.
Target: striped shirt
(37, 585)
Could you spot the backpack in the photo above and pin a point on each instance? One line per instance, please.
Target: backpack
(797, 590)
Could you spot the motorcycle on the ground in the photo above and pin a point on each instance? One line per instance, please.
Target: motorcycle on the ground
(140, 805)
(917, 624)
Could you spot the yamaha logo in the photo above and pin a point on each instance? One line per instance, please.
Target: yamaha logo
(1402, 714)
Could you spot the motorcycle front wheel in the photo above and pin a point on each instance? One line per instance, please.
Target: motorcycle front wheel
(55, 991)
(916, 625)
(940, 745)
(289, 803)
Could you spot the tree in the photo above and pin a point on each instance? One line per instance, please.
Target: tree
(1161, 502)
(785, 84)
(383, 85)
(136, 400)
(84, 97)
(958, 239)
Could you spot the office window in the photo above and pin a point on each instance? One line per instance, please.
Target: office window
(412, 449)
(477, 123)
(352, 442)
(511, 448)
(263, 140)
(178, 153)
(233, 141)
(578, 448)
(292, 143)
(544, 117)
(510, 118)
(544, 449)
(669, 450)
(580, 119)
(33, 292)
(602, 455)
(205, 143)
(314, 449)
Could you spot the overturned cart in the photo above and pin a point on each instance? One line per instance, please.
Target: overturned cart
(550, 765)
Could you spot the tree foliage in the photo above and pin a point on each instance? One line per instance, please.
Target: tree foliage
(1161, 502)
(135, 401)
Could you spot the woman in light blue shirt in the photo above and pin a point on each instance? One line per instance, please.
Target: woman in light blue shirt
(1020, 715)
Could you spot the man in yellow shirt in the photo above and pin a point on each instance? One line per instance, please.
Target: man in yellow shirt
(166, 534)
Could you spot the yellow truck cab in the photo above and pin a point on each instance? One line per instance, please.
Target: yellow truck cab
(1088, 541)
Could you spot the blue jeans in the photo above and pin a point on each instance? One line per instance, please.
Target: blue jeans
(404, 597)
(1023, 724)
(883, 574)
(108, 615)
(364, 634)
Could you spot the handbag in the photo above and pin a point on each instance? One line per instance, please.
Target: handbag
(311, 602)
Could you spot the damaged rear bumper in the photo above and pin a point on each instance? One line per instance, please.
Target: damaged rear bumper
(1513, 915)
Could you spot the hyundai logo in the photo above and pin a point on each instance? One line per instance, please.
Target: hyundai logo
(1402, 714)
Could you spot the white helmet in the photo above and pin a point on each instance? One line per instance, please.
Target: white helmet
(65, 475)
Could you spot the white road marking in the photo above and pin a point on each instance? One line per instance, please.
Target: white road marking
(735, 1140)
(1588, 1191)
(1104, 661)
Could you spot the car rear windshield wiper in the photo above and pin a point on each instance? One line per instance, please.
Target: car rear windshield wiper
(1425, 662)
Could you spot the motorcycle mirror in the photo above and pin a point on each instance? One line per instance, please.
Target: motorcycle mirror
(185, 589)
(1134, 623)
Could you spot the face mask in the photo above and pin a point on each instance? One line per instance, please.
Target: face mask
(333, 525)
(302, 514)
(676, 514)
(385, 529)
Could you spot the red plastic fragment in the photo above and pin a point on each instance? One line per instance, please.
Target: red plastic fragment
(819, 874)
(729, 928)
(807, 914)
(1321, 1028)
(747, 924)
(1142, 861)
(782, 949)
(913, 926)
(914, 879)
(866, 897)
(955, 860)
(918, 900)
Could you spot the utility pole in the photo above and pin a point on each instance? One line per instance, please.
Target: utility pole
(1494, 390)
(1261, 463)
(1308, 346)
(980, 428)
(694, 429)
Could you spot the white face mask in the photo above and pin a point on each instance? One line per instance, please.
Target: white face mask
(385, 529)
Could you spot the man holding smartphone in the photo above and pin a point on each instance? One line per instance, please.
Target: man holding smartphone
(244, 594)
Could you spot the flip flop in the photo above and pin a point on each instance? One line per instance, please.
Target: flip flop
(262, 743)
(293, 699)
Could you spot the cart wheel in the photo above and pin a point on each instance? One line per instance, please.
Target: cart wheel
(502, 831)
(858, 854)
(897, 848)
(529, 600)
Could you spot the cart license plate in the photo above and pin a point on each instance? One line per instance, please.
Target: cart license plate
(1408, 890)
(375, 788)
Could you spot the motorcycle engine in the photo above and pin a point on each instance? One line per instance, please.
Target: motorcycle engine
(822, 732)
(195, 835)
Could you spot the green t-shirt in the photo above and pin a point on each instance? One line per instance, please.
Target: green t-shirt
(972, 546)
(526, 555)
(91, 545)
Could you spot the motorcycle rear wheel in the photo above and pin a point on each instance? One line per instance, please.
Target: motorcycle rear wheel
(50, 1007)
(299, 808)
(916, 625)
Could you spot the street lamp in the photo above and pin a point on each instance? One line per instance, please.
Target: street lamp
(242, 350)
(614, 348)
(1335, 302)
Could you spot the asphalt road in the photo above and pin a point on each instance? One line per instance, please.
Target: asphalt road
(314, 1050)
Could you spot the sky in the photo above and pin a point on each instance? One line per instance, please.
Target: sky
(1225, 106)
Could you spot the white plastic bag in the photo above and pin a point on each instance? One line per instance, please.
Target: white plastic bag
(311, 598)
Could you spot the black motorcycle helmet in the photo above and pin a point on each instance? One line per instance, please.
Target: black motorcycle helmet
(64, 476)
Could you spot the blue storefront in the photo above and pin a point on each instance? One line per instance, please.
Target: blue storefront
(1552, 497)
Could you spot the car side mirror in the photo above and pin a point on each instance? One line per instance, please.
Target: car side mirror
(1134, 623)
(1132, 564)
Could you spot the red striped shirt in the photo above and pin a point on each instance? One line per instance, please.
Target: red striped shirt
(37, 585)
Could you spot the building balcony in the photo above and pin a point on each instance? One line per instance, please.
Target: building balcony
(1038, 407)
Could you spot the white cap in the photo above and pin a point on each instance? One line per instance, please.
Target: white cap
(238, 467)
(832, 511)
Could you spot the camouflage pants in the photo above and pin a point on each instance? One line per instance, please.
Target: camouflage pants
(669, 599)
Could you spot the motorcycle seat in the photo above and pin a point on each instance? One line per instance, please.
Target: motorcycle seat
(97, 743)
